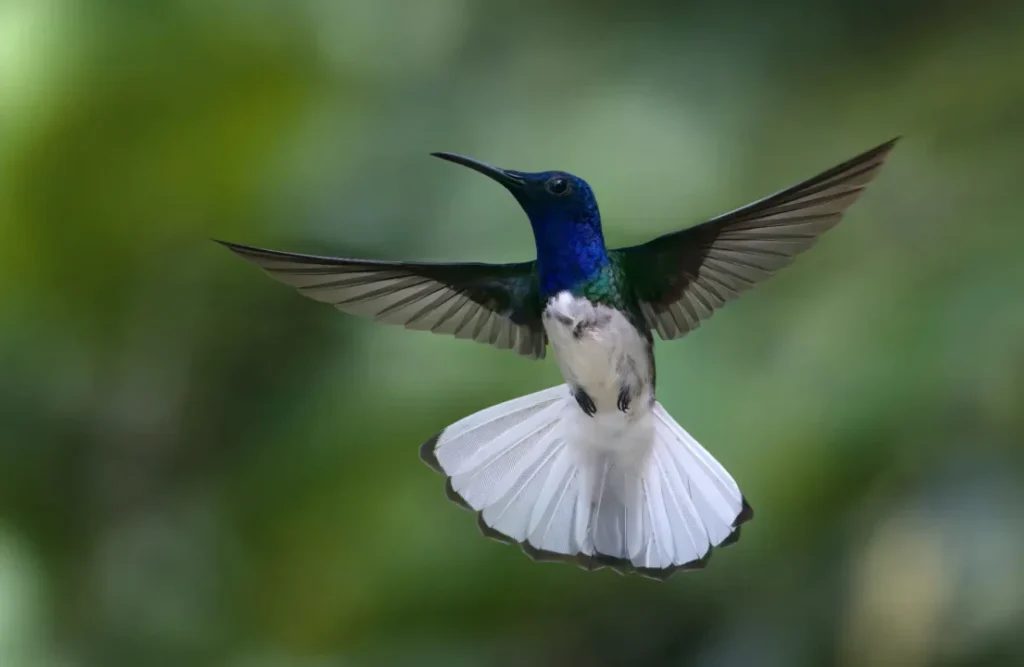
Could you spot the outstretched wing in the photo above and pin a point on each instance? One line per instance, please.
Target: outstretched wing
(496, 304)
(682, 277)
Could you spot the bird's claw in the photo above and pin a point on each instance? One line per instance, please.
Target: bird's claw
(586, 403)
(625, 399)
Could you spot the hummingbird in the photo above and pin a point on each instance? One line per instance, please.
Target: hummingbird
(593, 471)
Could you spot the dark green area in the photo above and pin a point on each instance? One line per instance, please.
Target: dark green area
(200, 467)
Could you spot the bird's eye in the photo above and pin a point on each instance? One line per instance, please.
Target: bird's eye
(558, 186)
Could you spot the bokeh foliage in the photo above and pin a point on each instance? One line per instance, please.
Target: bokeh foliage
(198, 467)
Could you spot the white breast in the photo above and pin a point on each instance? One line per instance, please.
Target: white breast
(599, 351)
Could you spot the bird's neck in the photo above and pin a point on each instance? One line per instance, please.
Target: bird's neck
(570, 254)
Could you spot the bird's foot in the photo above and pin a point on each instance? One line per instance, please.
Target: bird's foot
(625, 399)
(586, 403)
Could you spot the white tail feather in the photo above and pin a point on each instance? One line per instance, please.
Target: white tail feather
(531, 468)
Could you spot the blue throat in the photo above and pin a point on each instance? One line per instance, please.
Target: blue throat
(570, 252)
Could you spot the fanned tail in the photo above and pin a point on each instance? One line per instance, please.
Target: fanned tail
(536, 474)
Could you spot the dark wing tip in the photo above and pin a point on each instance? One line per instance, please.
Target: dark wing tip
(238, 247)
(229, 245)
(882, 150)
(249, 252)
(256, 254)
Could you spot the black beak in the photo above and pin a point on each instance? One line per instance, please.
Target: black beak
(510, 180)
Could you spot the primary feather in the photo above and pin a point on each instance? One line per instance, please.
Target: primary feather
(495, 304)
(683, 277)
(679, 278)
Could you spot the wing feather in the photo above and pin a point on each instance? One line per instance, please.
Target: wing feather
(497, 304)
(683, 277)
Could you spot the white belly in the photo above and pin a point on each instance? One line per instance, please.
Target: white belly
(601, 352)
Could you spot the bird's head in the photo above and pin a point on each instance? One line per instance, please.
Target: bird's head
(555, 201)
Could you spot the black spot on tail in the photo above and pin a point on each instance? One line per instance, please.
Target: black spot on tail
(428, 456)
(745, 515)
(454, 495)
(491, 533)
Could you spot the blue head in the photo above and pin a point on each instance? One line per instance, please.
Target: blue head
(565, 219)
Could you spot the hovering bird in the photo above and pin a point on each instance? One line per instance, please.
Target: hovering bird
(593, 471)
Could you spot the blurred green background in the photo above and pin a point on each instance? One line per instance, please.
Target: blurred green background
(200, 467)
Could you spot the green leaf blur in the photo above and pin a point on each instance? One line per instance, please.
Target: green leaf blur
(199, 467)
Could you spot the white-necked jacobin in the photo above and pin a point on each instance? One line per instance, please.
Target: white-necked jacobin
(593, 471)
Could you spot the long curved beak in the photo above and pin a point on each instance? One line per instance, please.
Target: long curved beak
(510, 180)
